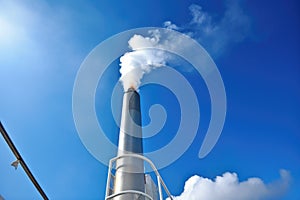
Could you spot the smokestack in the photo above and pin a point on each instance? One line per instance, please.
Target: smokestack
(130, 171)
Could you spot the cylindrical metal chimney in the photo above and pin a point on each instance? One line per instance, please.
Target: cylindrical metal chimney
(130, 171)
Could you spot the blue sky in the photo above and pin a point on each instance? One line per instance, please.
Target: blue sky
(255, 44)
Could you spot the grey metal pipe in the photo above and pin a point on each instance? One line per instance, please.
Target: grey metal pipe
(129, 170)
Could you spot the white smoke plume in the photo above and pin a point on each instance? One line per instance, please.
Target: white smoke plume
(215, 35)
(228, 187)
(146, 56)
(138, 62)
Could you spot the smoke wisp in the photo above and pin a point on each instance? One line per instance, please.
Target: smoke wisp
(217, 35)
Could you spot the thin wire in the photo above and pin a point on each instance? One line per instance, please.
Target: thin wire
(22, 162)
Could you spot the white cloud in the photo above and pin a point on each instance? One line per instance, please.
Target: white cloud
(229, 187)
(216, 35)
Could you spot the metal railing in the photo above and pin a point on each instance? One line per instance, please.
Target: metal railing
(160, 181)
(129, 192)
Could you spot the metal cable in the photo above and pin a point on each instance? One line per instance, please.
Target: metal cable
(22, 162)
